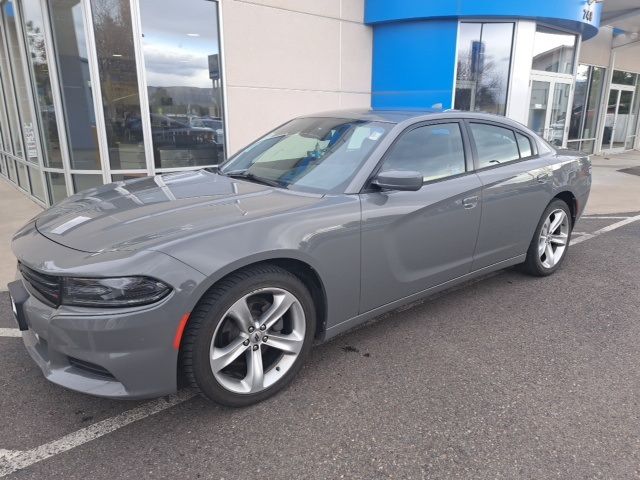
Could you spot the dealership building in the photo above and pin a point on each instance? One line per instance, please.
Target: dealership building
(99, 91)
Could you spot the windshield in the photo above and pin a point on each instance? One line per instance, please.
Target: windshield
(319, 155)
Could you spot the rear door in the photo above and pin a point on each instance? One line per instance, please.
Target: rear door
(516, 188)
(414, 240)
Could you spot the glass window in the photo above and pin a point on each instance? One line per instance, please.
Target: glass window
(586, 102)
(119, 83)
(85, 181)
(436, 151)
(34, 32)
(309, 154)
(57, 187)
(623, 78)
(494, 145)
(9, 97)
(37, 188)
(524, 145)
(119, 177)
(484, 59)
(184, 83)
(73, 66)
(19, 81)
(553, 51)
(23, 175)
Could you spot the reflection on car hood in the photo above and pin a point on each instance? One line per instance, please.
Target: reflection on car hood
(147, 212)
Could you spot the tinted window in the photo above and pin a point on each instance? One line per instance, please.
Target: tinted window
(436, 151)
(524, 144)
(494, 144)
(553, 51)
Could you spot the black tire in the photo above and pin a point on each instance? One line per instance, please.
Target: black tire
(196, 342)
(533, 263)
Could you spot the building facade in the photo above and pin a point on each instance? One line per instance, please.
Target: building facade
(97, 91)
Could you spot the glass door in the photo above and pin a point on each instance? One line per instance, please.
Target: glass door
(548, 108)
(619, 122)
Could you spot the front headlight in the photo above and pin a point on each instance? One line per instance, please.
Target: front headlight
(112, 292)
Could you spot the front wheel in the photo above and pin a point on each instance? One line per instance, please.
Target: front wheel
(248, 336)
(550, 241)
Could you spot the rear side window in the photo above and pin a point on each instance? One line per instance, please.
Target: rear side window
(495, 145)
(436, 151)
(525, 145)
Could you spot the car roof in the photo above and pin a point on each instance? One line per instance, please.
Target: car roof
(399, 116)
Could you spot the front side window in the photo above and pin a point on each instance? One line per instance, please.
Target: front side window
(553, 51)
(319, 155)
(436, 151)
(484, 59)
(494, 145)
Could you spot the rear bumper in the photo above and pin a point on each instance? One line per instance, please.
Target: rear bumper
(122, 353)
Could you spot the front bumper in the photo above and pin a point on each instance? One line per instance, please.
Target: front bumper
(124, 353)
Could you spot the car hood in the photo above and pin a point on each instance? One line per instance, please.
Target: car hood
(148, 212)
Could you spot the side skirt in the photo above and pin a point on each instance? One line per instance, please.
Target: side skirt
(363, 317)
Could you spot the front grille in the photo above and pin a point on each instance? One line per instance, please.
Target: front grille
(44, 287)
(89, 367)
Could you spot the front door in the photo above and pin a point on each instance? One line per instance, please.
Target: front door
(412, 241)
(548, 107)
(619, 119)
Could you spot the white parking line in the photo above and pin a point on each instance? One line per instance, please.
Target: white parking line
(10, 332)
(595, 217)
(14, 460)
(608, 228)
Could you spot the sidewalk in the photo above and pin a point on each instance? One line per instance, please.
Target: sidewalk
(613, 191)
(15, 210)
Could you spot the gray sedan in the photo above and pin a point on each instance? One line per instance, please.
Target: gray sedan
(222, 279)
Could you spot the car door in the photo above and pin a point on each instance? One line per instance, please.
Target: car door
(515, 190)
(413, 240)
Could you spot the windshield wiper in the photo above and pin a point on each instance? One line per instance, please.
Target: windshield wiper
(244, 175)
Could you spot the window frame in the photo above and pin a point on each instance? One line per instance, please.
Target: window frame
(469, 163)
(474, 150)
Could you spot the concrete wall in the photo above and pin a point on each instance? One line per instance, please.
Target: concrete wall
(596, 50)
(291, 57)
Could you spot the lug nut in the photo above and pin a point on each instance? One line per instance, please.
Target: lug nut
(255, 347)
(251, 329)
(265, 338)
(263, 327)
(246, 342)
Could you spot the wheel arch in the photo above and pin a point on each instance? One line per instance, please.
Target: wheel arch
(292, 262)
(572, 202)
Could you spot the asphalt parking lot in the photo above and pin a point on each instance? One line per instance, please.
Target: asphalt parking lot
(506, 377)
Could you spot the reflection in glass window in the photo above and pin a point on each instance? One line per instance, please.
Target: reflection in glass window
(436, 151)
(20, 82)
(623, 78)
(37, 189)
(524, 145)
(9, 97)
(57, 187)
(184, 83)
(34, 32)
(495, 145)
(309, 154)
(119, 83)
(586, 102)
(85, 181)
(553, 51)
(73, 67)
(484, 59)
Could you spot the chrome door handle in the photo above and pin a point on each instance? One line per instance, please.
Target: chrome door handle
(542, 178)
(470, 202)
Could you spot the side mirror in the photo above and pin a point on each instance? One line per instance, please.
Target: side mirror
(398, 180)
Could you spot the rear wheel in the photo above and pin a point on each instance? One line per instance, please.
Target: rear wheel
(248, 336)
(550, 242)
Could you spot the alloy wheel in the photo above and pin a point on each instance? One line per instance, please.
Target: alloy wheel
(554, 236)
(258, 340)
